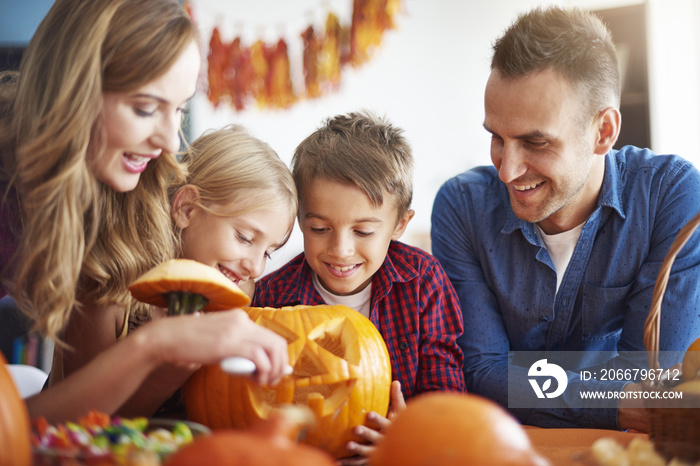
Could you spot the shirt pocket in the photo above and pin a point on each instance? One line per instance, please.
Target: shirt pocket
(603, 311)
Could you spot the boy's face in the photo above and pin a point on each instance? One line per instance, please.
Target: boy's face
(345, 238)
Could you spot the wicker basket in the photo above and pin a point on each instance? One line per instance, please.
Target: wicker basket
(674, 425)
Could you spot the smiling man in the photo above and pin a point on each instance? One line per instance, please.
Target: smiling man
(556, 247)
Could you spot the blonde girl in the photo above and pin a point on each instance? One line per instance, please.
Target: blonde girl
(237, 206)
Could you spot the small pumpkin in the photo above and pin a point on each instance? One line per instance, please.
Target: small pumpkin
(185, 286)
(268, 443)
(691, 362)
(15, 431)
(341, 371)
(454, 429)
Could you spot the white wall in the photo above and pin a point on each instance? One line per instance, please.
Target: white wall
(674, 76)
(428, 78)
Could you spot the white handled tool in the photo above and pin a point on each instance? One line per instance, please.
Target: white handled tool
(236, 365)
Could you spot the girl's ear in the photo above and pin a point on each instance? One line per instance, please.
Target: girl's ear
(183, 204)
(402, 224)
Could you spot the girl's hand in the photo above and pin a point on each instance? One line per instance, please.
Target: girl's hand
(374, 433)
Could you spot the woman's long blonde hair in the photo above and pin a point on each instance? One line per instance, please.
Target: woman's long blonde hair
(80, 239)
(228, 165)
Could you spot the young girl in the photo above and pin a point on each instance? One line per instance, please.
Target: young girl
(236, 207)
(86, 141)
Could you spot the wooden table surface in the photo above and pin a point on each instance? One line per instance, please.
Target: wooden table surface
(572, 446)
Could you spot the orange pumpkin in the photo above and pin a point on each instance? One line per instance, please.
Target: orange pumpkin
(268, 443)
(691, 362)
(454, 429)
(341, 371)
(15, 446)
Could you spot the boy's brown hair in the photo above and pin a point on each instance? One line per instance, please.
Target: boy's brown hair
(359, 149)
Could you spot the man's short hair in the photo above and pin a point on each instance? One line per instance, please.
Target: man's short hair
(573, 42)
(359, 149)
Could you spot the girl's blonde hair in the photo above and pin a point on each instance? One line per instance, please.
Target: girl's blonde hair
(80, 239)
(228, 165)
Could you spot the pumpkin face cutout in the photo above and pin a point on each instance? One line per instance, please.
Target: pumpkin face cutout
(341, 371)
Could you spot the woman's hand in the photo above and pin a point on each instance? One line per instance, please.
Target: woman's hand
(208, 338)
(374, 434)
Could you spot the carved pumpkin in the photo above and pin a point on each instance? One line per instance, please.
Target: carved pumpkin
(341, 371)
(268, 443)
(454, 429)
(15, 447)
(185, 286)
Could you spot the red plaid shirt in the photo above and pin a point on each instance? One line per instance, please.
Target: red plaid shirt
(413, 305)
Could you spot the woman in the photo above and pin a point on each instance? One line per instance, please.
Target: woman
(87, 148)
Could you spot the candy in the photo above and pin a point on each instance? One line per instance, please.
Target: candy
(99, 436)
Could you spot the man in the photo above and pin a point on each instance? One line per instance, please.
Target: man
(557, 246)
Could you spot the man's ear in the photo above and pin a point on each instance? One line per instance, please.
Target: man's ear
(183, 204)
(608, 129)
(402, 224)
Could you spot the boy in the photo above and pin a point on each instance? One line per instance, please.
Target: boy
(354, 181)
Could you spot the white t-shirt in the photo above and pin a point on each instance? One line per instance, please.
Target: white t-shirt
(561, 247)
(359, 301)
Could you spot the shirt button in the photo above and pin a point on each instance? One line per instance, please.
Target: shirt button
(403, 346)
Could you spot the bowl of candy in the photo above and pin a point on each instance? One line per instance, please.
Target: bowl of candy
(98, 439)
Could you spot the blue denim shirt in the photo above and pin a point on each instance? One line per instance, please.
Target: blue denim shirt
(506, 281)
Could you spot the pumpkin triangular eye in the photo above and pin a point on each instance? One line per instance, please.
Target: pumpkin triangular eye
(308, 365)
(288, 334)
(339, 337)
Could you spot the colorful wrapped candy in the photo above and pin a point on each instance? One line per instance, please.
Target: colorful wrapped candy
(99, 439)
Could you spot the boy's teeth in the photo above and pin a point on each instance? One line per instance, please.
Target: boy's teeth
(343, 269)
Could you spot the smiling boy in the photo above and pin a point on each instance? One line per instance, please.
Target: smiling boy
(354, 180)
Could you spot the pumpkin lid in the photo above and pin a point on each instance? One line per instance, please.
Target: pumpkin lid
(189, 276)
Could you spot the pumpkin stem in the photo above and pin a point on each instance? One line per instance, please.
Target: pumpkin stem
(184, 302)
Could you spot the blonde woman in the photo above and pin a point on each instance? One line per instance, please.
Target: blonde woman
(87, 139)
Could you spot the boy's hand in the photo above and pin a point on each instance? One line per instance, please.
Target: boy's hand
(373, 433)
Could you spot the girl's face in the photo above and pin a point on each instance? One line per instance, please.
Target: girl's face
(237, 246)
(140, 124)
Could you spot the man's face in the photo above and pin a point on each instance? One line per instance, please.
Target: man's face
(543, 148)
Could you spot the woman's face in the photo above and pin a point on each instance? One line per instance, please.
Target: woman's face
(140, 124)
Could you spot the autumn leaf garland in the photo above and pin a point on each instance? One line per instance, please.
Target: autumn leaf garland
(240, 75)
